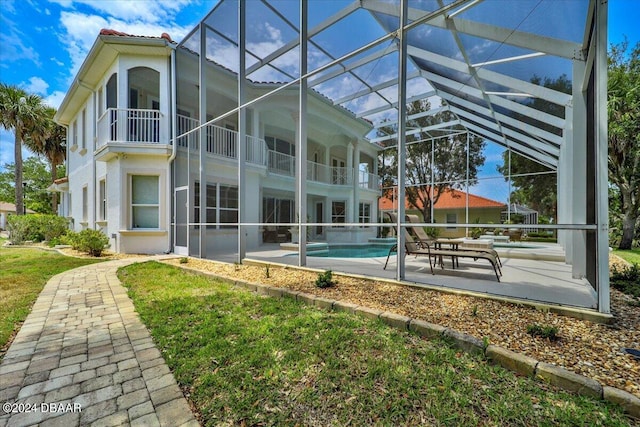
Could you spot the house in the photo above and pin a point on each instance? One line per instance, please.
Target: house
(142, 169)
(451, 208)
(7, 209)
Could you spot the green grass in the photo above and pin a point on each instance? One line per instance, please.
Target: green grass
(630, 255)
(23, 274)
(251, 360)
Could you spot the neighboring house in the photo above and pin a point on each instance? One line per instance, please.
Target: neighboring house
(451, 208)
(7, 209)
(134, 96)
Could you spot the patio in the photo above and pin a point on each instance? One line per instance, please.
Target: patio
(532, 275)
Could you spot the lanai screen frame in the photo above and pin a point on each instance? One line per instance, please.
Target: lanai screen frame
(580, 157)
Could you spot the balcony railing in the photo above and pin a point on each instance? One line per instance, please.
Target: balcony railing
(281, 164)
(284, 164)
(220, 142)
(368, 180)
(129, 125)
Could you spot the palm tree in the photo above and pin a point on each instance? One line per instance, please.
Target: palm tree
(22, 113)
(50, 143)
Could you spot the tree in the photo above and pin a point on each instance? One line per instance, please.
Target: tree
(50, 144)
(537, 191)
(444, 157)
(623, 106)
(21, 113)
(36, 176)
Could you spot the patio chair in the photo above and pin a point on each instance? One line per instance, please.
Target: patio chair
(424, 248)
(423, 237)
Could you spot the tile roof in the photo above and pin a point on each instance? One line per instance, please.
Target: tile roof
(450, 199)
(110, 32)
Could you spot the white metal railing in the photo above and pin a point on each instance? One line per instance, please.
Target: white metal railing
(221, 142)
(183, 125)
(340, 176)
(368, 180)
(280, 163)
(129, 125)
(326, 174)
(256, 150)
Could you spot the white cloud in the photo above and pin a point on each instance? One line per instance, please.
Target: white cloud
(36, 85)
(13, 47)
(149, 11)
(54, 99)
(81, 30)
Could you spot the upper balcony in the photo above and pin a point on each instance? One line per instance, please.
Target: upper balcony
(223, 143)
(131, 130)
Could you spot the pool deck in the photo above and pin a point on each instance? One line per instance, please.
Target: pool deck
(536, 275)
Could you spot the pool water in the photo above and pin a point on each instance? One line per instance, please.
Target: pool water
(352, 251)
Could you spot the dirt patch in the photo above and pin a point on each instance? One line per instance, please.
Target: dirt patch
(584, 347)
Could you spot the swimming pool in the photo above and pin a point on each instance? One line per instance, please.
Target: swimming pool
(352, 251)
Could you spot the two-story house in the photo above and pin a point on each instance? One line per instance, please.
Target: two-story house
(138, 157)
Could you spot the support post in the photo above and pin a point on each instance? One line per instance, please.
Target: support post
(301, 140)
(242, 131)
(202, 154)
(402, 142)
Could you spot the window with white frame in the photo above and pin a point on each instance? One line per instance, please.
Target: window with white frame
(452, 218)
(338, 212)
(102, 199)
(222, 205)
(364, 213)
(85, 204)
(145, 201)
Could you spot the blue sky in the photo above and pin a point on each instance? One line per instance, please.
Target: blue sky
(43, 43)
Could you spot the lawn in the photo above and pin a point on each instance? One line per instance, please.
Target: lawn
(244, 359)
(23, 274)
(630, 255)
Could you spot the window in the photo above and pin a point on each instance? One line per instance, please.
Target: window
(84, 128)
(85, 204)
(103, 200)
(280, 145)
(364, 213)
(75, 133)
(277, 210)
(222, 205)
(145, 201)
(452, 218)
(338, 212)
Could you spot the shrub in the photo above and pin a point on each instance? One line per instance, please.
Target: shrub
(36, 227)
(626, 280)
(71, 239)
(92, 241)
(53, 226)
(184, 260)
(546, 331)
(325, 280)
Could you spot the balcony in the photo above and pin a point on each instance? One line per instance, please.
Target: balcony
(220, 142)
(369, 181)
(131, 130)
(223, 143)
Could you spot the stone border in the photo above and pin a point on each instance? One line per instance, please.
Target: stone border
(512, 361)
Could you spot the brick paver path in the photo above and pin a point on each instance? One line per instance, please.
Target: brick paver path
(83, 357)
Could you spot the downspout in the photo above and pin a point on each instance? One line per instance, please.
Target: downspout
(93, 160)
(172, 113)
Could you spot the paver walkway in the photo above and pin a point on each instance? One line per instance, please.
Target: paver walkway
(83, 357)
